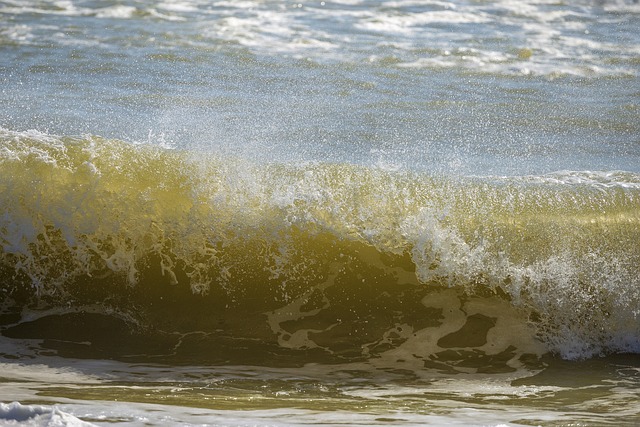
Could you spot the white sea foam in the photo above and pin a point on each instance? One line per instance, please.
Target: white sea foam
(406, 23)
(16, 414)
(572, 39)
(178, 6)
(142, 415)
(120, 11)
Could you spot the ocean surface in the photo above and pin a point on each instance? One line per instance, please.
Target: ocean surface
(348, 212)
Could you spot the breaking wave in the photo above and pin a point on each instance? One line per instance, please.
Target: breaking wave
(337, 260)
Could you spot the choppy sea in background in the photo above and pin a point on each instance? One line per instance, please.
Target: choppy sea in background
(319, 213)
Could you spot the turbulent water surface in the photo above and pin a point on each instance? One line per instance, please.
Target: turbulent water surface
(319, 213)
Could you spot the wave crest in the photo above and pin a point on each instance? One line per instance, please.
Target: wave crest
(90, 217)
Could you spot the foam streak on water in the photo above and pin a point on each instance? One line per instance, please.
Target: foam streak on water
(539, 37)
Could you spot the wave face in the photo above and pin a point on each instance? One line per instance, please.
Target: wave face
(312, 261)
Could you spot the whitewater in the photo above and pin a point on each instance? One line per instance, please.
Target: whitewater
(324, 213)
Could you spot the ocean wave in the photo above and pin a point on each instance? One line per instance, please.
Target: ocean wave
(503, 38)
(87, 219)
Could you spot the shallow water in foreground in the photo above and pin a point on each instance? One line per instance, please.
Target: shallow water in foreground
(596, 392)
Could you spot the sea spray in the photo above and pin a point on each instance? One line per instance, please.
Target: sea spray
(87, 219)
